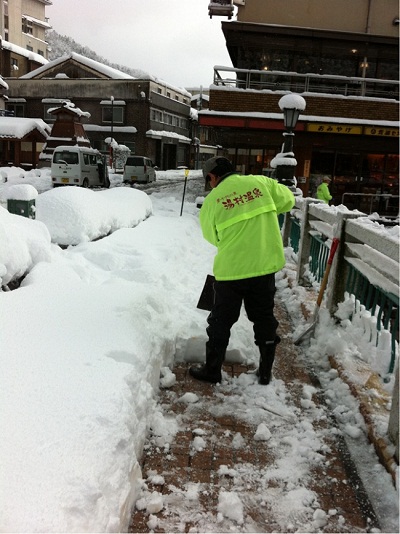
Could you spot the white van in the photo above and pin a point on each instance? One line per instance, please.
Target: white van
(77, 165)
(139, 169)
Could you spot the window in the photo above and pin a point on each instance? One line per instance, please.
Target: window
(18, 109)
(5, 20)
(14, 64)
(66, 157)
(89, 159)
(27, 26)
(46, 115)
(156, 115)
(113, 114)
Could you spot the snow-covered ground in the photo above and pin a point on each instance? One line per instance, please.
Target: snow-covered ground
(93, 326)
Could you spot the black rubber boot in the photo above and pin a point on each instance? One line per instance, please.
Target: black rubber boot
(211, 370)
(267, 357)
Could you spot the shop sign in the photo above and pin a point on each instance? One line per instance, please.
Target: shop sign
(334, 128)
(382, 132)
(306, 169)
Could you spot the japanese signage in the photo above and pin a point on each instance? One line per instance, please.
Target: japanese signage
(233, 200)
(334, 128)
(381, 131)
(350, 129)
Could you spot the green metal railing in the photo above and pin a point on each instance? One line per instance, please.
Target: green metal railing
(319, 253)
(382, 305)
(295, 230)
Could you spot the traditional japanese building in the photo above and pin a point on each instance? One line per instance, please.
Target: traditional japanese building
(67, 130)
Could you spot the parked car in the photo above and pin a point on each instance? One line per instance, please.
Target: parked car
(139, 169)
(76, 165)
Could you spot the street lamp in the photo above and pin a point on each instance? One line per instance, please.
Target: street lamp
(112, 133)
(284, 162)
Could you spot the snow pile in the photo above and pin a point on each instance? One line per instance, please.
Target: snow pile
(20, 192)
(24, 243)
(230, 506)
(74, 216)
(40, 179)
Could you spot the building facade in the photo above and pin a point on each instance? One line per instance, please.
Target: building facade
(343, 59)
(23, 45)
(148, 116)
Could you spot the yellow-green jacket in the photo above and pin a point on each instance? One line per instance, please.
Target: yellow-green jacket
(323, 193)
(240, 217)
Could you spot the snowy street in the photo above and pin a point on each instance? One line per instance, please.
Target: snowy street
(94, 331)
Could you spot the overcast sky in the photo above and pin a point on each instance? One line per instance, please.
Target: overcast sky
(174, 40)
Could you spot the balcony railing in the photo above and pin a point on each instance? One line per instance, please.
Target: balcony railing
(305, 83)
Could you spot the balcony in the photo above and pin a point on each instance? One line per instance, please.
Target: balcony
(306, 83)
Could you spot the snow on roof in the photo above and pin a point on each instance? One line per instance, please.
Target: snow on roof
(120, 129)
(16, 127)
(304, 118)
(3, 83)
(304, 94)
(38, 22)
(110, 72)
(71, 107)
(158, 134)
(202, 96)
(6, 45)
(91, 63)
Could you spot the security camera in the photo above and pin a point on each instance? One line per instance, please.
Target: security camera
(396, 21)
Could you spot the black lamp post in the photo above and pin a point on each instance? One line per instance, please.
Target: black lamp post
(112, 133)
(284, 162)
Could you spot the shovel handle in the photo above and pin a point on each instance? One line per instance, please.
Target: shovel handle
(334, 246)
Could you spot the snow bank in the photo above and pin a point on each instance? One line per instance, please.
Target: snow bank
(74, 215)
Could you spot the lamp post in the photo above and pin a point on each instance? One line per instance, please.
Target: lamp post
(284, 162)
(112, 133)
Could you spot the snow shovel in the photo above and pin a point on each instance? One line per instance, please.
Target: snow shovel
(206, 300)
(311, 327)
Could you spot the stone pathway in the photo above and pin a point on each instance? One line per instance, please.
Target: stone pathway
(192, 482)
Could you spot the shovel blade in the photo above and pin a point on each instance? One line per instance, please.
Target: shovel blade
(307, 332)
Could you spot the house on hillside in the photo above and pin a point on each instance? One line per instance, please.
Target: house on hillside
(149, 116)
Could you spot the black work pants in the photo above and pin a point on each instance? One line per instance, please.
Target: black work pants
(257, 294)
